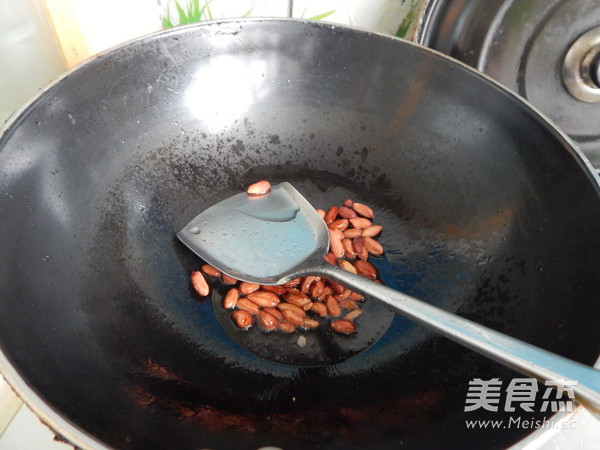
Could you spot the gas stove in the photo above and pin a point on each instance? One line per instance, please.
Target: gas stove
(547, 51)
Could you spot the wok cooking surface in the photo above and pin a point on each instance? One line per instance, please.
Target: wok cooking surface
(479, 201)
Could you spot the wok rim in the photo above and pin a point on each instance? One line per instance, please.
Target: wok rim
(77, 436)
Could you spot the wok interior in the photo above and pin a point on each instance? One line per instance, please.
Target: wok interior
(485, 211)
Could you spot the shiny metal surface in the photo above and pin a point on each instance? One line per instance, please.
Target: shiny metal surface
(580, 67)
(99, 331)
(523, 44)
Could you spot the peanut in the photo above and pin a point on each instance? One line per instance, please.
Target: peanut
(353, 314)
(244, 304)
(333, 306)
(293, 317)
(361, 222)
(373, 247)
(266, 320)
(371, 230)
(319, 309)
(339, 224)
(306, 284)
(330, 215)
(210, 270)
(310, 323)
(347, 265)
(259, 188)
(242, 319)
(297, 298)
(264, 299)
(343, 326)
(348, 248)
(199, 283)
(275, 312)
(330, 258)
(317, 288)
(278, 289)
(284, 306)
(353, 233)
(346, 213)
(226, 279)
(335, 244)
(287, 327)
(365, 268)
(246, 288)
(363, 210)
(231, 298)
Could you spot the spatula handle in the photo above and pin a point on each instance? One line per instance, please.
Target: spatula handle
(511, 352)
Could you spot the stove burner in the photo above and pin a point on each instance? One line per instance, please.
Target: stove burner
(548, 51)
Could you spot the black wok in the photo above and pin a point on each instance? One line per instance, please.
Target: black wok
(487, 210)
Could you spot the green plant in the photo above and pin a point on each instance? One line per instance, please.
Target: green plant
(192, 14)
(322, 16)
(409, 20)
(195, 11)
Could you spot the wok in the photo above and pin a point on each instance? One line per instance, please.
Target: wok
(487, 210)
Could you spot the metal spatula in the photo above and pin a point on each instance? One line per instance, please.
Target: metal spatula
(277, 237)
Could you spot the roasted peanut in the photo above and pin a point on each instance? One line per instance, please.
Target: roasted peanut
(287, 327)
(343, 326)
(317, 288)
(349, 304)
(373, 247)
(335, 244)
(363, 210)
(333, 306)
(338, 288)
(353, 314)
(264, 299)
(371, 230)
(275, 312)
(331, 259)
(344, 295)
(226, 279)
(347, 265)
(339, 224)
(266, 320)
(297, 298)
(199, 283)
(259, 188)
(293, 317)
(310, 323)
(246, 288)
(231, 298)
(278, 289)
(349, 251)
(361, 222)
(306, 284)
(346, 213)
(284, 306)
(247, 305)
(353, 233)
(242, 319)
(210, 270)
(365, 268)
(331, 215)
(319, 309)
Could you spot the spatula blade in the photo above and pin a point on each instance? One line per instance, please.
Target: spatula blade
(261, 239)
